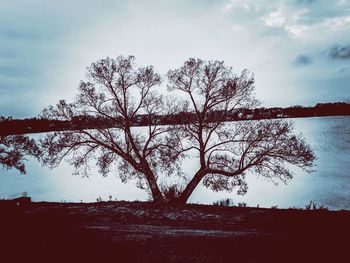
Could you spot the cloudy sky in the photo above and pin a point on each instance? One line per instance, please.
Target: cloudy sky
(299, 50)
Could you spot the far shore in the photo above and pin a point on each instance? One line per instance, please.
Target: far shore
(9, 126)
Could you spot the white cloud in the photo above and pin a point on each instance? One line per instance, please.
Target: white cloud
(275, 19)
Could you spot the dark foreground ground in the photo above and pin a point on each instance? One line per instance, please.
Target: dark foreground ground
(141, 232)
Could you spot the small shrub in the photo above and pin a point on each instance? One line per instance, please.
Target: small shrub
(311, 206)
(171, 193)
(274, 207)
(110, 198)
(242, 204)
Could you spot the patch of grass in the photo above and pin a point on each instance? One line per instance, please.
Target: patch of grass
(228, 202)
(110, 199)
(223, 202)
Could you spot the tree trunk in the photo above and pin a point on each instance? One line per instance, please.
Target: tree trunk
(156, 194)
(190, 187)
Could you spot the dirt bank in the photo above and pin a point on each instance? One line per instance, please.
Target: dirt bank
(141, 232)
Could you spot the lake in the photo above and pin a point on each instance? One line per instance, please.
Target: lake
(328, 185)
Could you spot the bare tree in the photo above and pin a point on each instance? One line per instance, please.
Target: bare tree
(228, 150)
(14, 149)
(119, 92)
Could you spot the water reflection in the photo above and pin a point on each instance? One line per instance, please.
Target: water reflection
(329, 185)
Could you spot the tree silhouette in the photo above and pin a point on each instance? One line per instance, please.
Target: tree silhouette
(118, 91)
(228, 150)
(14, 149)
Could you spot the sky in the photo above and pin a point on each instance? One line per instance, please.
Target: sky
(298, 50)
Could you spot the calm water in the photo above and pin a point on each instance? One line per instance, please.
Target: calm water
(328, 185)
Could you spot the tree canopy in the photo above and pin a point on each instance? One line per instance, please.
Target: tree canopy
(207, 92)
(226, 151)
(120, 91)
(14, 149)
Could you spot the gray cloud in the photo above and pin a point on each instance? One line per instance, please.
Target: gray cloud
(344, 70)
(6, 54)
(46, 45)
(16, 35)
(306, 1)
(340, 52)
(16, 71)
(303, 60)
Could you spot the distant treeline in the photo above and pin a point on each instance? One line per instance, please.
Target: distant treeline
(9, 126)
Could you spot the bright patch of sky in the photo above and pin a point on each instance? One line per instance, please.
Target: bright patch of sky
(297, 49)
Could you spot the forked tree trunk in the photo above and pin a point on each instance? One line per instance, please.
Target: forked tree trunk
(190, 187)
